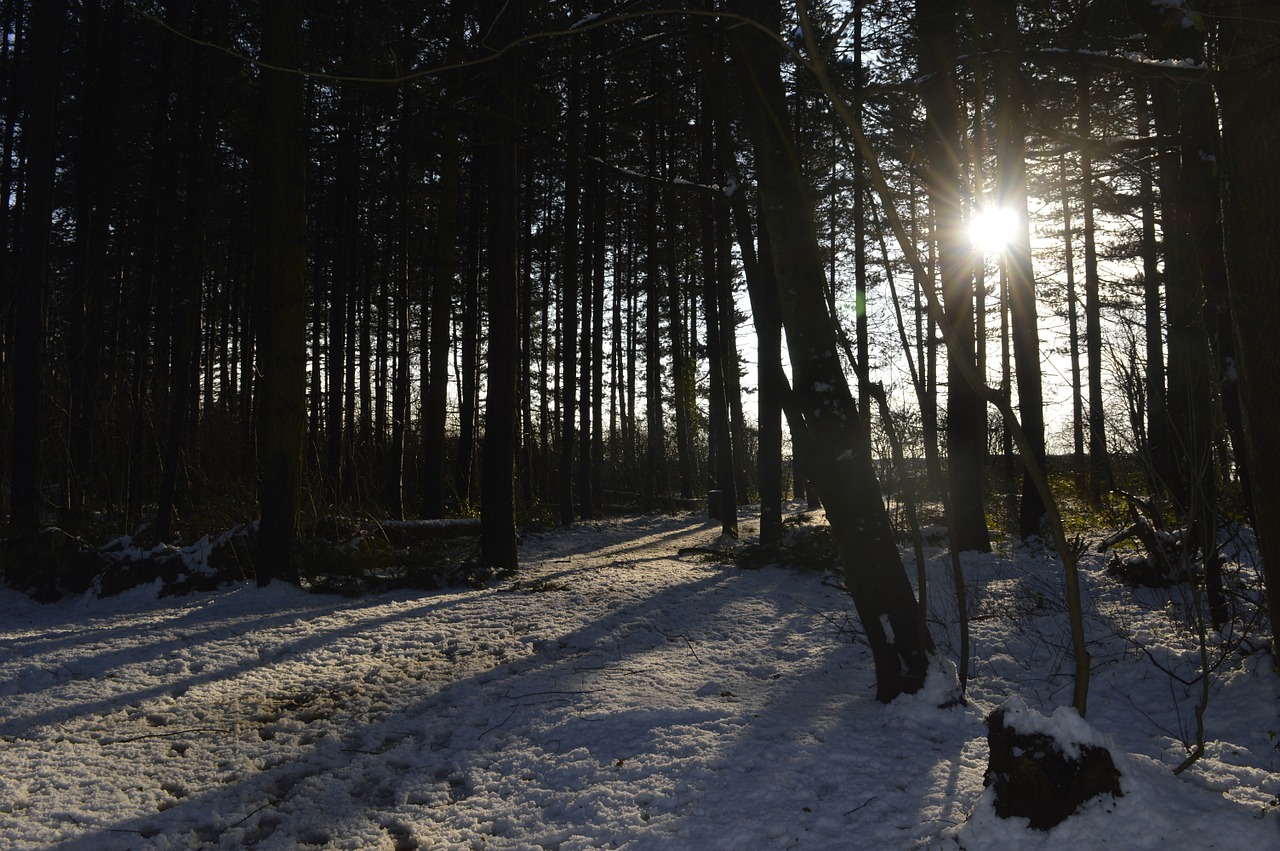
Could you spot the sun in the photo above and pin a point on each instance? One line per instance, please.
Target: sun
(992, 229)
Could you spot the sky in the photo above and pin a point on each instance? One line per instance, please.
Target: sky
(616, 693)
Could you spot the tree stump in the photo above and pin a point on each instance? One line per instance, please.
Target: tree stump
(1039, 777)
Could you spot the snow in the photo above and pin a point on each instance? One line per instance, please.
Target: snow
(615, 694)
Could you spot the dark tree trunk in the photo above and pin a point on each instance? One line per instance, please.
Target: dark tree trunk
(281, 294)
(655, 467)
(862, 330)
(195, 124)
(593, 236)
(569, 272)
(966, 411)
(1012, 192)
(44, 40)
(595, 477)
(497, 518)
(766, 313)
(719, 441)
(682, 379)
(1186, 118)
(860, 524)
(402, 272)
(1158, 446)
(1249, 74)
(1073, 317)
(95, 154)
(435, 405)
(1099, 461)
(153, 267)
(469, 380)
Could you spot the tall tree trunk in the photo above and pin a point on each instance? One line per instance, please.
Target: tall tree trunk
(862, 329)
(966, 412)
(1159, 450)
(598, 251)
(1012, 192)
(195, 124)
(682, 378)
(403, 271)
(655, 467)
(569, 273)
(497, 518)
(1249, 74)
(1192, 251)
(720, 464)
(44, 39)
(281, 294)
(1196, 290)
(435, 405)
(1101, 478)
(84, 332)
(469, 379)
(766, 313)
(860, 524)
(1073, 316)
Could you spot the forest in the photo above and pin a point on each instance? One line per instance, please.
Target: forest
(274, 272)
(815, 380)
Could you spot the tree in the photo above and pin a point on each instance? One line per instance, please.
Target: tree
(434, 408)
(280, 286)
(935, 24)
(846, 479)
(720, 471)
(569, 296)
(1248, 74)
(187, 296)
(31, 290)
(497, 518)
(1011, 191)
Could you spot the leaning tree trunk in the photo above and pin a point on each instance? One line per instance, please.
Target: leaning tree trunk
(846, 479)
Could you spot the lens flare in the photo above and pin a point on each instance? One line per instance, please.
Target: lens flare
(992, 229)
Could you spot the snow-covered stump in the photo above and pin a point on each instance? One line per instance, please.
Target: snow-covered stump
(1044, 768)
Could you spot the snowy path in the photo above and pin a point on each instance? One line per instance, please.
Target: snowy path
(615, 695)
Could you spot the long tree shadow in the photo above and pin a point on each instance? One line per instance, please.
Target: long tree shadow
(103, 645)
(345, 746)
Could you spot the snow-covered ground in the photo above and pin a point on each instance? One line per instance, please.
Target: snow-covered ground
(616, 694)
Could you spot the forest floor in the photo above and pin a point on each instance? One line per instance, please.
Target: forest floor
(615, 694)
